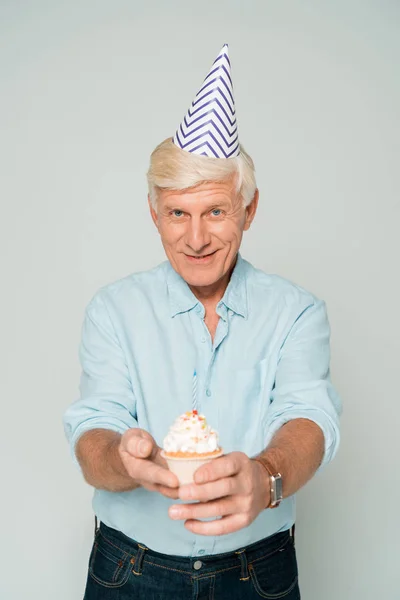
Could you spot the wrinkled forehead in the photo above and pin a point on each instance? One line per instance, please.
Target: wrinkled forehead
(202, 196)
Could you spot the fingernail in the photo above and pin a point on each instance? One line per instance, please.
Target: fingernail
(174, 512)
(199, 478)
(143, 447)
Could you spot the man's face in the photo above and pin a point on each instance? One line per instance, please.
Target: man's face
(201, 229)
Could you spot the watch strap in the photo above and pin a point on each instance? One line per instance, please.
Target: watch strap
(273, 503)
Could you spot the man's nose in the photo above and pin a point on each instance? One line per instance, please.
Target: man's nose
(197, 235)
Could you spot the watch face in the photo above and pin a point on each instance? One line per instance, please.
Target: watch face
(278, 484)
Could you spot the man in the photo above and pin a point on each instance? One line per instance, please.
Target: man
(260, 347)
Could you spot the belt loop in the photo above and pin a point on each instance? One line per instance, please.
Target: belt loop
(138, 560)
(244, 573)
(292, 530)
(96, 525)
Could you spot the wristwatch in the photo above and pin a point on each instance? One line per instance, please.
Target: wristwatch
(275, 484)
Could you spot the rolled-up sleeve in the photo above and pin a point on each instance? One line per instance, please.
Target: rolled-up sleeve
(303, 387)
(106, 396)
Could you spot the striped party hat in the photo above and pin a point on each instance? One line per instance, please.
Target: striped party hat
(209, 127)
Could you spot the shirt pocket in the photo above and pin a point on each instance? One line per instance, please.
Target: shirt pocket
(245, 400)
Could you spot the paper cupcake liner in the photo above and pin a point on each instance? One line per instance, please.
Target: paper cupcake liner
(185, 467)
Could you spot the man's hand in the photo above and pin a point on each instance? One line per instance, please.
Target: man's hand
(143, 462)
(232, 487)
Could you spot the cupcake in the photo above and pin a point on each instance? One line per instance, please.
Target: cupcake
(189, 444)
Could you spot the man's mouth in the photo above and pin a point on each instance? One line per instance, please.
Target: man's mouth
(200, 258)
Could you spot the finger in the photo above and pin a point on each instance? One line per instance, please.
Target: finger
(204, 510)
(144, 470)
(210, 491)
(168, 492)
(139, 444)
(161, 489)
(225, 466)
(159, 460)
(222, 526)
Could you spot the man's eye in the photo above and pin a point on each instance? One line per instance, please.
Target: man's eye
(177, 213)
(216, 212)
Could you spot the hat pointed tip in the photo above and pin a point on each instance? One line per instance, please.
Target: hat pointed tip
(215, 97)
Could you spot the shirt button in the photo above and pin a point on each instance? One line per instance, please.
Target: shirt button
(203, 339)
(201, 551)
(208, 392)
(197, 565)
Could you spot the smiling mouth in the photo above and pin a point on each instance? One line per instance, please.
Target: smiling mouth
(201, 257)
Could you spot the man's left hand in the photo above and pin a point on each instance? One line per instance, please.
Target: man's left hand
(233, 489)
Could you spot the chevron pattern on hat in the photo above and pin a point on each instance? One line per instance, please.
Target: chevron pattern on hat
(209, 127)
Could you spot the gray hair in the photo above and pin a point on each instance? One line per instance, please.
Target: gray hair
(172, 168)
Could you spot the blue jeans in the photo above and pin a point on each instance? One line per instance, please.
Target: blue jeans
(122, 569)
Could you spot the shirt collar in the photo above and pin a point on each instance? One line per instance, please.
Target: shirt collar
(182, 299)
(235, 297)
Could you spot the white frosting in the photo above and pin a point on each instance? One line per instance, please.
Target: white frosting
(191, 433)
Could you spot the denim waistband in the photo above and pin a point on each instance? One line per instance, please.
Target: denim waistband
(215, 562)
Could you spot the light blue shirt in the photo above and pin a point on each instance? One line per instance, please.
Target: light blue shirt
(142, 339)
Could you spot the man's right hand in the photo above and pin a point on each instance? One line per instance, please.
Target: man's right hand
(142, 460)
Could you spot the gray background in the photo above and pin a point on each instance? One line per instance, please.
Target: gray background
(87, 90)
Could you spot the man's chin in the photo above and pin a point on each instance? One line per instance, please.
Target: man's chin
(194, 281)
(199, 279)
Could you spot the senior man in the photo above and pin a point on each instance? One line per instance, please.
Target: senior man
(260, 347)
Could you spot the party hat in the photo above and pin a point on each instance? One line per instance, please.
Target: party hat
(209, 127)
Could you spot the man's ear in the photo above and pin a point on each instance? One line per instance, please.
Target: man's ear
(153, 211)
(251, 211)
